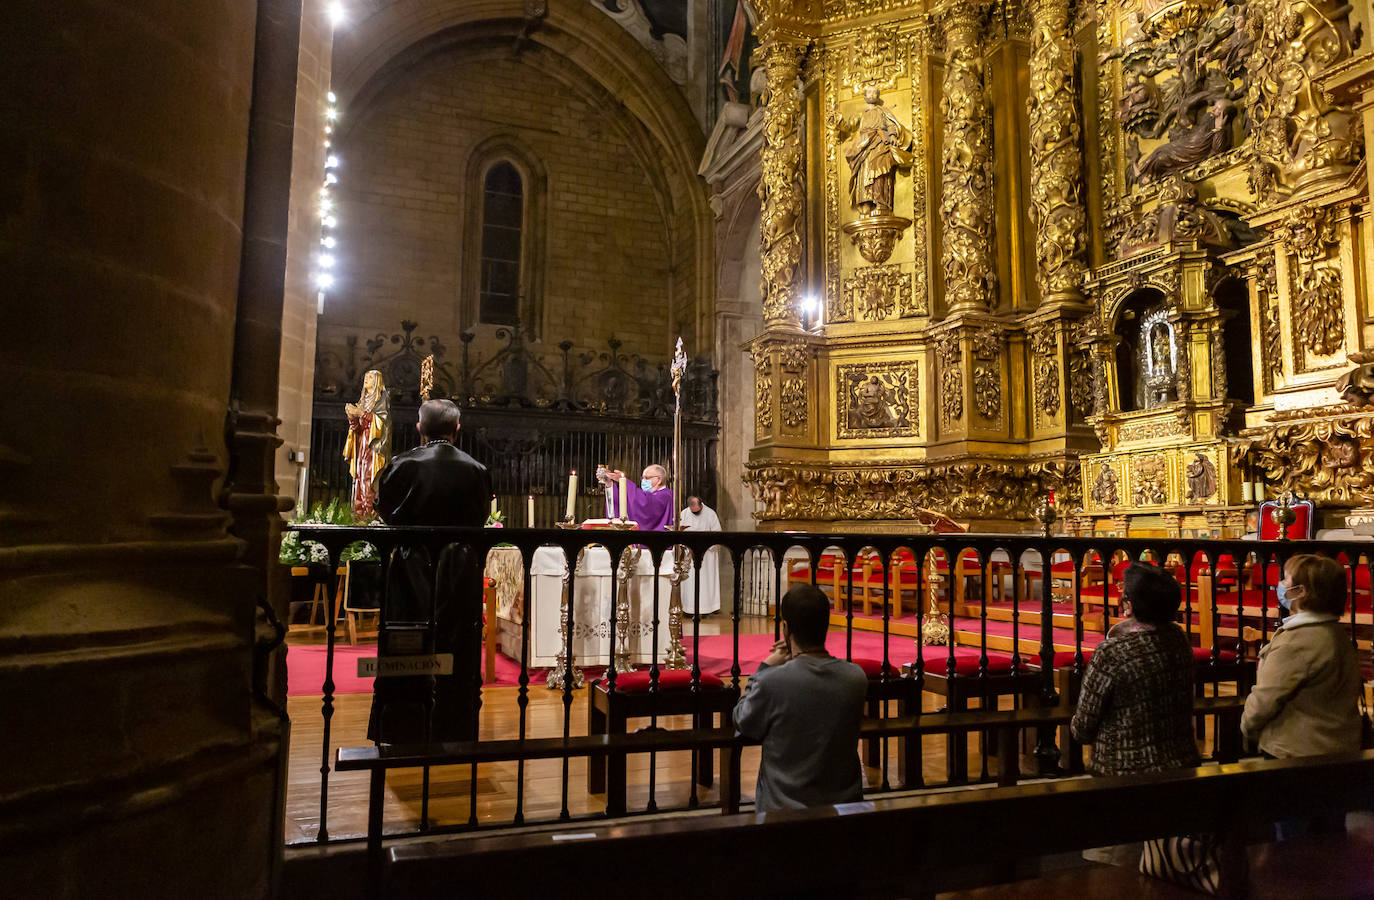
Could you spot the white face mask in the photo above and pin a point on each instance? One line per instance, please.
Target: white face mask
(646, 485)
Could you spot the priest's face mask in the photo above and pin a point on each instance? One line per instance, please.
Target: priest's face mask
(649, 480)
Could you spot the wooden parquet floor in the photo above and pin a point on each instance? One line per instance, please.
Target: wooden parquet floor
(498, 785)
(541, 789)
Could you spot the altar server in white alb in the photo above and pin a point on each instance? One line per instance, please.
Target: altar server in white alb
(700, 517)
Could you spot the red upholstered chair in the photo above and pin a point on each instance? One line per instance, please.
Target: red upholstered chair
(968, 681)
(896, 687)
(609, 712)
(1068, 681)
(830, 578)
(1300, 530)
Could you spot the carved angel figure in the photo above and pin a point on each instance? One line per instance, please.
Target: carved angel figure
(878, 147)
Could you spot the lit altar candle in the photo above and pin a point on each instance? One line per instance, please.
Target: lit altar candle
(625, 497)
(1051, 498)
(572, 492)
(530, 509)
(493, 504)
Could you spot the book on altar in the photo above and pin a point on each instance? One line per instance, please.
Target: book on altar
(608, 523)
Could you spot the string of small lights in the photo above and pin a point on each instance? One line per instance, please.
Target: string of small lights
(329, 221)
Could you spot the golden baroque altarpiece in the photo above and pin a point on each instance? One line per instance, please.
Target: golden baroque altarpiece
(1116, 251)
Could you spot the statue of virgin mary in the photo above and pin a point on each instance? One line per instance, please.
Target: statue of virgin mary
(368, 447)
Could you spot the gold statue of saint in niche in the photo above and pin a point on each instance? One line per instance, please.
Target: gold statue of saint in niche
(878, 146)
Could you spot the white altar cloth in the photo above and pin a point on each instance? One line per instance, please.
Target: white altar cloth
(591, 610)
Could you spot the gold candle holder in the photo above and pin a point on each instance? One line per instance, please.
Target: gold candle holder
(1047, 515)
(1283, 514)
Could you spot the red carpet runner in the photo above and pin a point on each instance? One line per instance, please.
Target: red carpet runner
(306, 664)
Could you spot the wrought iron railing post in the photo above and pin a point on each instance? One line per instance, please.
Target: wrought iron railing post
(1047, 752)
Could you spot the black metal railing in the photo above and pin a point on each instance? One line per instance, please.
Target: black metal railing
(529, 453)
(1006, 602)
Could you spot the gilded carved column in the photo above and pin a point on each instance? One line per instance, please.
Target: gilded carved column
(781, 187)
(1061, 222)
(967, 203)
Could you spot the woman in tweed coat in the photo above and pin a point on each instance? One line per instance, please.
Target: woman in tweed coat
(1136, 706)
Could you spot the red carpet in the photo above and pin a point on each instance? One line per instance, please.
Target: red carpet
(305, 670)
(715, 651)
(305, 664)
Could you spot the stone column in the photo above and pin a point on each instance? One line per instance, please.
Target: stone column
(966, 206)
(250, 488)
(782, 186)
(140, 764)
(1061, 222)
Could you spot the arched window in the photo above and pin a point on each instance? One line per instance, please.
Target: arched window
(504, 200)
(503, 214)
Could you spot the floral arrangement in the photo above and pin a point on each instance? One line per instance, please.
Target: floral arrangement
(496, 519)
(295, 552)
(360, 551)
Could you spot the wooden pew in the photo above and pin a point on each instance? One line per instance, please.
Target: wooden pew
(912, 846)
(1007, 725)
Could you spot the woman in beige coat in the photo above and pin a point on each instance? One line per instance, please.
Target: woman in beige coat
(1306, 696)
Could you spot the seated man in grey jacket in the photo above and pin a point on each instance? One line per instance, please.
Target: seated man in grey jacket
(805, 706)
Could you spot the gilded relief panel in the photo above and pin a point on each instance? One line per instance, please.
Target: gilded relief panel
(878, 400)
(1151, 479)
(1171, 99)
(877, 293)
(874, 145)
(763, 393)
(1103, 485)
(1205, 475)
(1316, 286)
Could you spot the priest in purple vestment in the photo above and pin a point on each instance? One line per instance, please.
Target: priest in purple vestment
(650, 502)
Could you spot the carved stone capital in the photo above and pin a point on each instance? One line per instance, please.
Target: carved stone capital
(966, 19)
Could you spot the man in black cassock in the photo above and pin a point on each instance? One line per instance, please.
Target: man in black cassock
(434, 484)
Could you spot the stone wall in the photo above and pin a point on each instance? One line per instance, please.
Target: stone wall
(303, 243)
(405, 186)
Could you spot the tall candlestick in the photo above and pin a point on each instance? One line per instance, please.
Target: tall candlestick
(530, 509)
(625, 497)
(572, 491)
